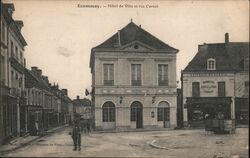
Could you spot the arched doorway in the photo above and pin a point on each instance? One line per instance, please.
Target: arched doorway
(163, 113)
(137, 114)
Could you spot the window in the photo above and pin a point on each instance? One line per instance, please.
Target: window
(163, 111)
(163, 75)
(108, 112)
(2, 69)
(20, 82)
(195, 89)
(211, 65)
(12, 76)
(221, 89)
(12, 49)
(136, 74)
(3, 31)
(21, 55)
(16, 52)
(247, 87)
(108, 74)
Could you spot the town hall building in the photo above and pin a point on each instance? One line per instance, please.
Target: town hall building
(134, 81)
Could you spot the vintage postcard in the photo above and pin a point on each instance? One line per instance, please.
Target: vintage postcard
(137, 78)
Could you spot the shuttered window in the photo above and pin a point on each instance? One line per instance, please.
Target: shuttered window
(163, 75)
(108, 74)
(136, 74)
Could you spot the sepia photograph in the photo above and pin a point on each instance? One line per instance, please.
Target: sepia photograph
(117, 78)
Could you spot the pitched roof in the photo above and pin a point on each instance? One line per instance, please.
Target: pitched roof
(5, 7)
(228, 56)
(131, 33)
(34, 80)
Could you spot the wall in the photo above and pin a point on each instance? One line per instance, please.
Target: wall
(208, 89)
(122, 67)
(122, 87)
(123, 111)
(240, 88)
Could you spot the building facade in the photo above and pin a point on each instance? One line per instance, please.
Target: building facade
(12, 72)
(82, 108)
(46, 104)
(217, 80)
(133, 81)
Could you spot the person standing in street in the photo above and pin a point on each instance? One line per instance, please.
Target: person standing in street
(76, 136)
(37, 128)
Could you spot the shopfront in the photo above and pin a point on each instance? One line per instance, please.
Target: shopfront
(200, 108)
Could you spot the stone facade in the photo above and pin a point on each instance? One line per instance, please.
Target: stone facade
(12, 73)
(122, 93)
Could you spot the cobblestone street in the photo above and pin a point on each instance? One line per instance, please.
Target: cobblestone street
(172, 143)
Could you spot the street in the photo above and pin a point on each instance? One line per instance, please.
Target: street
(171, 143)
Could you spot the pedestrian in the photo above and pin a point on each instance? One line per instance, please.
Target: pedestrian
(88, 126)
(76, 136)
(36, 128)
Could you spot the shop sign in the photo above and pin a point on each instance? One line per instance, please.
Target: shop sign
(208, 86)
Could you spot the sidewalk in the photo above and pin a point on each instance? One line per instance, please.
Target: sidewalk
(25, 140)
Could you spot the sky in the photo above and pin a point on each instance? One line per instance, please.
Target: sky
(60, 34)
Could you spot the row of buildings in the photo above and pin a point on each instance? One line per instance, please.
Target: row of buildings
(134, 82)
(27, 98)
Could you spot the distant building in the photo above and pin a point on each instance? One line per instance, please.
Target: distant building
(82, 108)
(217, 80)
(45, 103)
(134, 81)
(12, 73)
(65, 106)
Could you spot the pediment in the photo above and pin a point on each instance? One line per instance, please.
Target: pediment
(137, 46)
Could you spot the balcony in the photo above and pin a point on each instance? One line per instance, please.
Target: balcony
(16, 92)
(17, 65)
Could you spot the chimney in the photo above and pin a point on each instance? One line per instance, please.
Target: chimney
(45, 78)
(34, 68)
(39, 71)
(19, 24)
(226, 38)
(202, 46)
(10, 7)
(77, 97)
(65, 92)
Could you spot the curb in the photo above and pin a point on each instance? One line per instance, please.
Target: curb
(33, 140)
(157, 146)
(134, 130)
(19, 146)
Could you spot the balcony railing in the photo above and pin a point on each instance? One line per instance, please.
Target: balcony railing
(136, 82)
(108, 82)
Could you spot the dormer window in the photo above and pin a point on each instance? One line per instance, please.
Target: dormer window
(211, 64)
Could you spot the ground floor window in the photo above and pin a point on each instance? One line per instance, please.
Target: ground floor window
(108, 112)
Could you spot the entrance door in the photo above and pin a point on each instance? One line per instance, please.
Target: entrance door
(137, 114)
(163, 114)
(166, 123)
